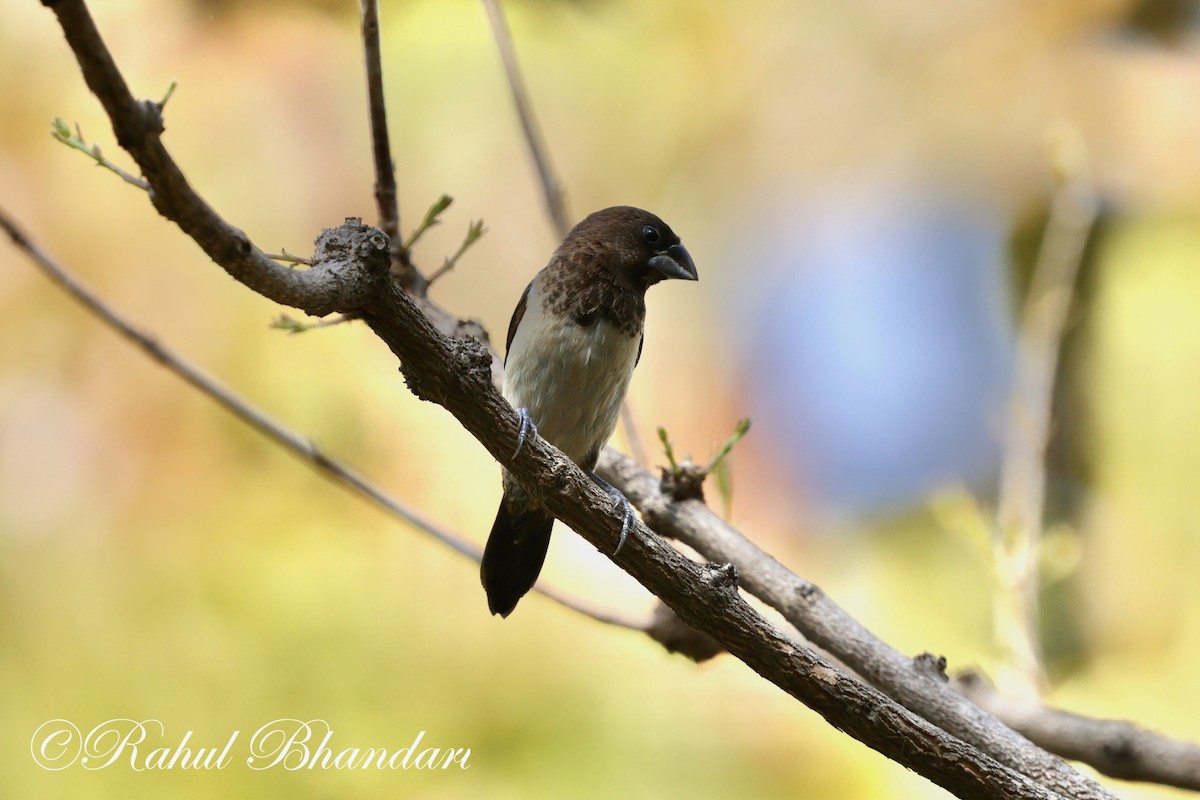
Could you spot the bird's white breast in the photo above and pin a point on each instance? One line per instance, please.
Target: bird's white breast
(571, 378)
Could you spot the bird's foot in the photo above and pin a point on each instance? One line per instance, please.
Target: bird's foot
(615, 492)
(525, 430)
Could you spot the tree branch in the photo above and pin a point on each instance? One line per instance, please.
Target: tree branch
(1018, 533)
(381, 151)
(351, 276)
(552, 193)
(1114, 747)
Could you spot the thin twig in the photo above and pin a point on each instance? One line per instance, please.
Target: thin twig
(62, 133)
(284, 322)
(291, 441)
(289, 258)
(385, 170)
(633, 435)
(381, 149)
(552, 192)
(474, 231)
(588, 610)
(1017, 542)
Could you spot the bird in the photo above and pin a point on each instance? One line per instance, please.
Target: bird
(573, 341)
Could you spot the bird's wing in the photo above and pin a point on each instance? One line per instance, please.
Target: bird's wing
(518, 314)
(641, 341)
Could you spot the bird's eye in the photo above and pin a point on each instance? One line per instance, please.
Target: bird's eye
(651, 233)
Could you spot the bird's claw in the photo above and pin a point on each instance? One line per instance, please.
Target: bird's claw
(524, 430)
(627, 522)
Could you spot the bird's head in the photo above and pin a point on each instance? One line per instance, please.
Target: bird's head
(638, 247)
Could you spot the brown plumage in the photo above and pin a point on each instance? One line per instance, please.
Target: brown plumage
(573, 341)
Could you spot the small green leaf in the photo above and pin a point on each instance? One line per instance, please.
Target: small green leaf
(739, 430)
(167, 95)
(724, 475)
(62, 133)
(474, 230)
(431, 219)
(668, 449)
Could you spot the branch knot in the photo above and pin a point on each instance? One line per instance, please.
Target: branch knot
(932, 666)
(684, 482)
(151, 118)
(721, 576)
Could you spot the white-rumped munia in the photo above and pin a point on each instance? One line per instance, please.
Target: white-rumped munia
(573, 342)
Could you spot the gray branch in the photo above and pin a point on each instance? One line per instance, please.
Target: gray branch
(1114, 747)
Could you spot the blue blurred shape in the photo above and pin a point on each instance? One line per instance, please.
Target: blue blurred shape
(878, 345)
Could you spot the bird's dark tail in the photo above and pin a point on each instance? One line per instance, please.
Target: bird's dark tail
(513, 557)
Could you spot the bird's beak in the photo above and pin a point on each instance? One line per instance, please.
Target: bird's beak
(675, 262)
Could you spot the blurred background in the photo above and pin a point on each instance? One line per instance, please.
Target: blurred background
(863, 187)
